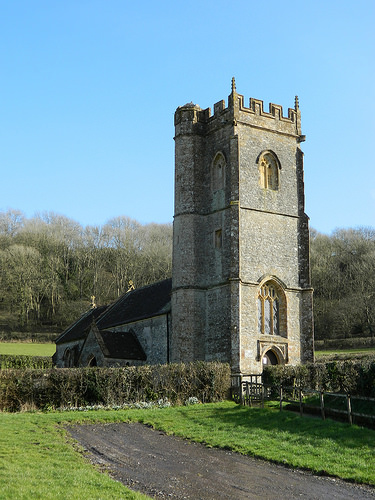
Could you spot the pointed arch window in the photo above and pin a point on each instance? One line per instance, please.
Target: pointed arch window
(269, 167)
(270, 302)
(218, 172)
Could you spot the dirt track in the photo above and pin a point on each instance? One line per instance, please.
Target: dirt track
(164, 466)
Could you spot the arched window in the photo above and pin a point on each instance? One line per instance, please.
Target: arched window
(269, 171)
(71, 356)
(271, 309)
(218, 172)
(67, 358)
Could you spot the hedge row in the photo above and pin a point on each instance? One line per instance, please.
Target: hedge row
(356, 377)
(350, 343)
(74, 387)
(22, 361)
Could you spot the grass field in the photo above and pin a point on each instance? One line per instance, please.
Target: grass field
(38, 461)
(345, 352)
(27, 348)
(34, 349)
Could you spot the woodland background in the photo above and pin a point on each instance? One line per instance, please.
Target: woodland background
(51, 266)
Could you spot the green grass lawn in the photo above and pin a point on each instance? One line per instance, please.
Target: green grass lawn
(39, 461)
(369, 351)
(27, 348)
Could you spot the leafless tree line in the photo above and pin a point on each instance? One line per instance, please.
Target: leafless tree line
(51, 266)
(343, 277)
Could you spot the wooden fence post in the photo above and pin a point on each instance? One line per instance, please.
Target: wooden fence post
(349, 407)
(281, 397)
(322, 405)
(263, 390)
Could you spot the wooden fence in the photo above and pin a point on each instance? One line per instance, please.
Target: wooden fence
(250, 390)
(327, 403)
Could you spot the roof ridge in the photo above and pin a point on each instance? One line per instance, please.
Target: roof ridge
(71, 326)
(124, 296)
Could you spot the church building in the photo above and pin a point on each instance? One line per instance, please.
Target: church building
(240, 289)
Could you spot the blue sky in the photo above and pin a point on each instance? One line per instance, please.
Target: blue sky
(88, 90)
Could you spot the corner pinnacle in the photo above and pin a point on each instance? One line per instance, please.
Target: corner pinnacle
(233, 85)
(296, 103)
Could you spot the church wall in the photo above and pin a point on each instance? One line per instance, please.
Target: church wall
(218, 324)
(204, 235)
(269, 246)
(291, 348)
(117, 362)
(285, 199)
(91, 349)
(188, 323)
(61, 351)
(152, 334)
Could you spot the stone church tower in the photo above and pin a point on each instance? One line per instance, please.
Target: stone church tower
(241, 288)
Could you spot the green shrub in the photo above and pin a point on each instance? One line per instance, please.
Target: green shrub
(23, 361)
(356, 377)
(66, 387)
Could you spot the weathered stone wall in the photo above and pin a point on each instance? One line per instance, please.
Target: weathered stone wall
(217, 326)
(91, 349)
(153, 335)
(188, 325)
(61, 350)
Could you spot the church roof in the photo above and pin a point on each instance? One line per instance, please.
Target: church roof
(122, 345)
(77, 330)
(141, 303)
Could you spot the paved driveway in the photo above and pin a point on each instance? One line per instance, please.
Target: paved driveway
(164, 466)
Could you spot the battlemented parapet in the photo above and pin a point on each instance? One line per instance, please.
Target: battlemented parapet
(254, 115)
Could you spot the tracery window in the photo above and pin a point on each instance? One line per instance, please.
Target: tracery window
(218, 170)
(268, 310)
(269, 171)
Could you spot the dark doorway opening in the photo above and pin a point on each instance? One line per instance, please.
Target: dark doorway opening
(270, 358)
(92, 361)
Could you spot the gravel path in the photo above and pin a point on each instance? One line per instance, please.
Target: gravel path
(164, 466)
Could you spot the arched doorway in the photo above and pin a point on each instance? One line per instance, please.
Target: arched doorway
(270, 358)
(92, 362)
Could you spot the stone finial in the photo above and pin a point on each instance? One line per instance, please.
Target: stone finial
(296, 103)
(233, 85)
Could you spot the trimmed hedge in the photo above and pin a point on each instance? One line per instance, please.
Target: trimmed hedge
(354, 377)
(350, 343)
(74, 387)
(23, 361)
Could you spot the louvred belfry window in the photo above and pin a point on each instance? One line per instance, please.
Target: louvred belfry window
(269, 171)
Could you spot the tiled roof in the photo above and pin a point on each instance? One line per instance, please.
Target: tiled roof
(122, 345)
(141, 303)
(77, 330)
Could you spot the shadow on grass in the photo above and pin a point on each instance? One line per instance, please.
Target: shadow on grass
(248, 419)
